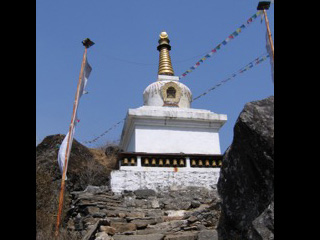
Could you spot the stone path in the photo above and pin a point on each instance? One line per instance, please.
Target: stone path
(191, 214)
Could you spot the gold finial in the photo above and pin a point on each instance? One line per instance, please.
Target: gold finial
(165, 66)
(163, 35)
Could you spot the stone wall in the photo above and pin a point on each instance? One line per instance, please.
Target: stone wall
(190, 214)
(163, 180)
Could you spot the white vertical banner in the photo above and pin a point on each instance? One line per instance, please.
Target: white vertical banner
(63, 151)
(84, 79)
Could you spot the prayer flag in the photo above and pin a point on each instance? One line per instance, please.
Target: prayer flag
(63, 151)
(84, 79)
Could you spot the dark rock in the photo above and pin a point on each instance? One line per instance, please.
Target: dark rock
(112, 150)
(83, 169)
(144, 193)
(246, 183)
(264, 224)
(192, 219)
(195, 204)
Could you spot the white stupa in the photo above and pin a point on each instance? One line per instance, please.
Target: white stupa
(166, 143)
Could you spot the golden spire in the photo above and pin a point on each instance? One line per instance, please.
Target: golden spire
(165, 67)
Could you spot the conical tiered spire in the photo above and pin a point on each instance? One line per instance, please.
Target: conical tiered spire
(165, 67)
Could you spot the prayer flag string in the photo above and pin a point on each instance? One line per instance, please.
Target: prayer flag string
(223, 43)
(242, 70)
(104, 133)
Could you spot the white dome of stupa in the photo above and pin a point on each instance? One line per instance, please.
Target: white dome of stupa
(167, 91)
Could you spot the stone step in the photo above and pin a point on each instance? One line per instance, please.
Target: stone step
(182, 236)
(155, 236)
(143, 223)
(174, 225)
(100, 199)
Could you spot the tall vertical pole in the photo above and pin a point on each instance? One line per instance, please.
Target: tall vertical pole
(269, 32)
(75, 106)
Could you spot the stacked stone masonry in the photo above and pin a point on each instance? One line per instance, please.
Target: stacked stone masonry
(99, 214)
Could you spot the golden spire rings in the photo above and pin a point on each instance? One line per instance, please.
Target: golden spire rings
(165, 66)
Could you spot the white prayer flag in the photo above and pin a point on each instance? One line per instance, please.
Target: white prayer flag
(63, 151)
(84, 79)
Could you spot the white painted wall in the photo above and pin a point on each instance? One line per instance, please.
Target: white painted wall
(172, 130)
(166, 139)
(132, 142)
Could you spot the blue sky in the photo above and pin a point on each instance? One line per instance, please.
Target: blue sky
(124, 59)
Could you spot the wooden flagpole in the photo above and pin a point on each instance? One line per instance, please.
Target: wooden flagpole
(269, 32)
(87, 43)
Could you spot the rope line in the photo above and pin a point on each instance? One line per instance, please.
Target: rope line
(223, 43)
(105, 132)
(255, 62)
